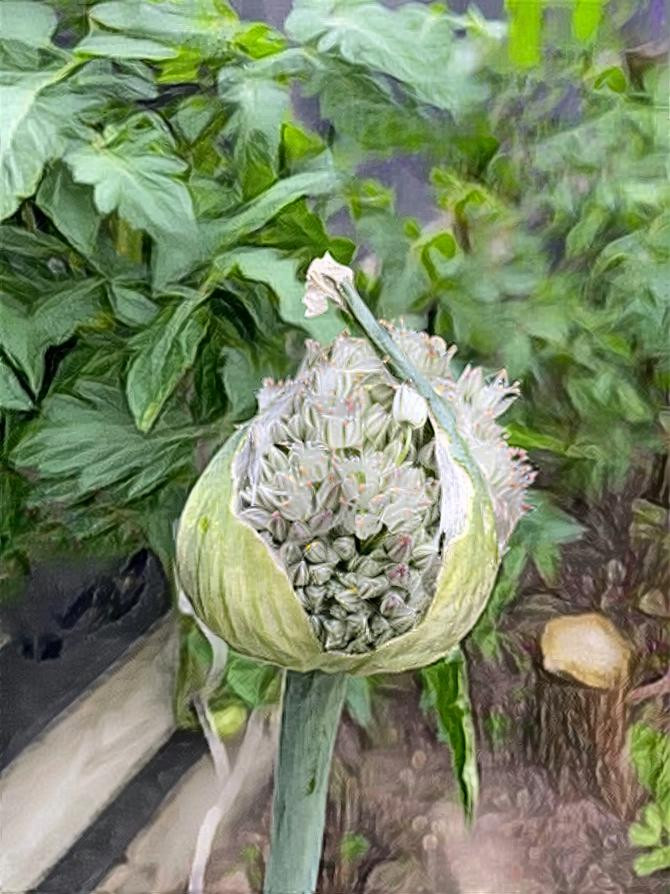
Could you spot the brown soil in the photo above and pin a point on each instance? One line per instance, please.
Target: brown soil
(394, 787)
(557, 794)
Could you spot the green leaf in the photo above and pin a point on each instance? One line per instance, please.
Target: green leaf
(173, 259)
(586, 16)
(71, 208)
(255, 684)
(353, 846)
(130, 306)
(409, 44)
(525, 32)
(260, 106)
(39, 114)
(647, 833)
(12, 395)
(445, 691)
(120, 46)
(205, 24)
(358, 701)
(168, 349)
(134, 171)
(650, 753)
(25, 335)
(27, 21)
(280, 273)
(86, 441)
(655, 861)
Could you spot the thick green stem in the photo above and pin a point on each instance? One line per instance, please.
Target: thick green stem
(310, 716)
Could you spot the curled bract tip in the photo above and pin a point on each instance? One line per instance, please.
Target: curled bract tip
(324, 275)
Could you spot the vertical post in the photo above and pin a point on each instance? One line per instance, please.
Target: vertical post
(311, 711)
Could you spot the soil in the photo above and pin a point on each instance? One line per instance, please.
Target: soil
(557, 792)
(393, 787)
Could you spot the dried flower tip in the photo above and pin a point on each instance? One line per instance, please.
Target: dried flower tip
(324, 275)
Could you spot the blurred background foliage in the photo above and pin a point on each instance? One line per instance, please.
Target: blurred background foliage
(168, 172)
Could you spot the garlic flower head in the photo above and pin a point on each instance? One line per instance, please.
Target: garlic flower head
(337, 530)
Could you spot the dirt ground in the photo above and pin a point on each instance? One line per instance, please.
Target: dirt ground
(557, 791)
(393, 787)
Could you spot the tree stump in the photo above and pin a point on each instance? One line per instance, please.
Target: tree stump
(580, 715)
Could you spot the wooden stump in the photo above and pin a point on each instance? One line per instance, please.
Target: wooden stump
(579, 720)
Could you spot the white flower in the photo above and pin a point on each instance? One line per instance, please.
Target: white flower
(315, 302)
(409, 406)
(324, 275)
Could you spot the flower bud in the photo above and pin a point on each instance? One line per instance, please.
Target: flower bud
(342, 529)
(316, 552)
(345, 547)
(410, 407)
(301, 574)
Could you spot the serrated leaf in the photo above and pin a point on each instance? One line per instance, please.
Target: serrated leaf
(647, 832)
(25, 335)
(86, 441)
(174, 259)
(280, 273)
(70, 206)
(168, 349)
(12, 395)
(134, 171)
(650, 753)
(445, 691)
(39, 115)
(409, 44)
(29, 22)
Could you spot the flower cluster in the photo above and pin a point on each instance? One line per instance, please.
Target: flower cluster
(341, 476)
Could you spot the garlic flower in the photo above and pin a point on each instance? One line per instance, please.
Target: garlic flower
(340, 529)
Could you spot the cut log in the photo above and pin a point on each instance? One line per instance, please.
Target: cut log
(579, 720)
(588, 648)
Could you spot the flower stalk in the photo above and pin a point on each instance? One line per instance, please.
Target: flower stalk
(311, 709)
(354, 526)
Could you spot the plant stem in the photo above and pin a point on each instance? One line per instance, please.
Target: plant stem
(311, 711)
(384, 343)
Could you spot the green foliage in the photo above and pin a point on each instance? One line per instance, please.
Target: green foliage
(353, 847)
(650, 753)
(161, 201)
(445, 691)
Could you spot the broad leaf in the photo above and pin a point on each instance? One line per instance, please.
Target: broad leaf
(71, 207)
(174, 259)
(168, 349)
(410, 44)
(134, 171)
(130, 305)
(25, 335)
(86, 441)
(120, 46)
(40, 113)
(260, 107)
(27, 21)
(445, 691)
(204, 24)
(12, 395)
(280, 273)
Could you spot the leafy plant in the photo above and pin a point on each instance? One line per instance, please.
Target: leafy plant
(650, 753)
(162, 198)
